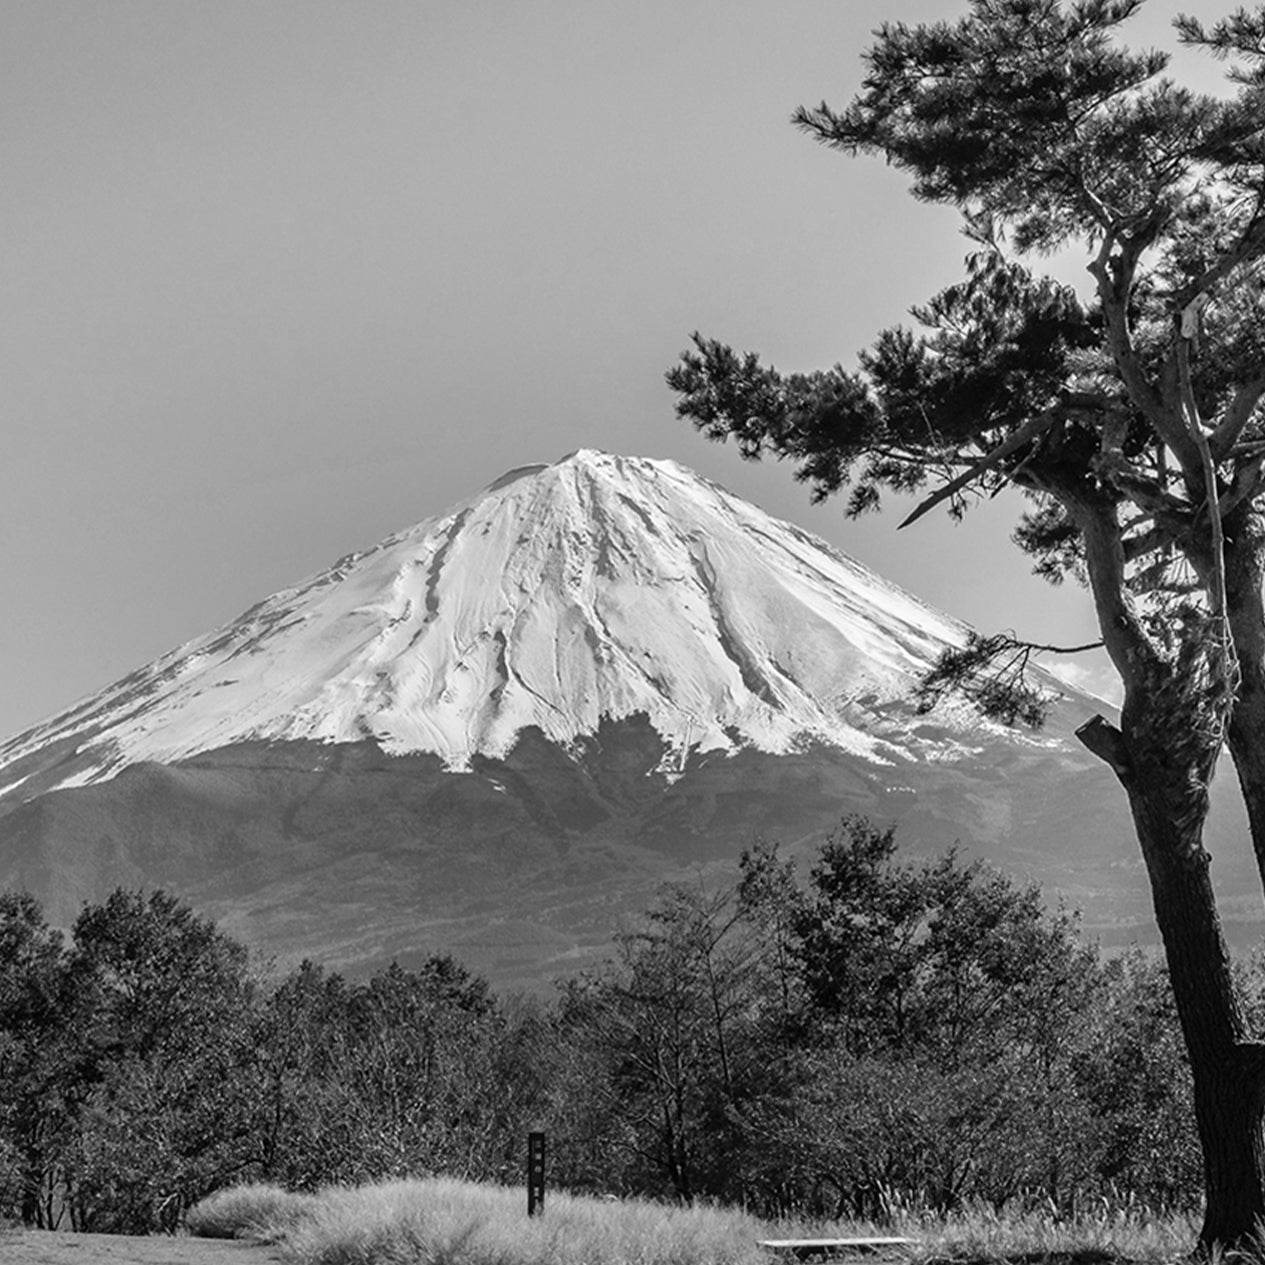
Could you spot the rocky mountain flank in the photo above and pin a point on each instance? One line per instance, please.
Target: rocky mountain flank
(498, 731)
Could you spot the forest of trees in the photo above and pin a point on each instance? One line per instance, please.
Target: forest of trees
(875, 1033)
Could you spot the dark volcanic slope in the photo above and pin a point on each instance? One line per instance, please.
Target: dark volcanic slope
(525, 866)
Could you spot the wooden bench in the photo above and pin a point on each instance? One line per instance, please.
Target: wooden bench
(801, 1249)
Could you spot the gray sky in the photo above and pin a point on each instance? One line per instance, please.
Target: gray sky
(278, 278)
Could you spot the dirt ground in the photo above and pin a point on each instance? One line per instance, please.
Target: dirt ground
(48, 1247)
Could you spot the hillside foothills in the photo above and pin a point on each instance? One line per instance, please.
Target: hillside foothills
(498, 731)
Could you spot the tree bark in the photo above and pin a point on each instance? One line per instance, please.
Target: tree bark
(1245, 571)
(1166, 777)
(1230, 1110)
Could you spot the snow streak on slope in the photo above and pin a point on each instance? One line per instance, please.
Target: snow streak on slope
(599, 586)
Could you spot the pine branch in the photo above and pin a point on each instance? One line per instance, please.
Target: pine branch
(1030, 430)
(993, 673)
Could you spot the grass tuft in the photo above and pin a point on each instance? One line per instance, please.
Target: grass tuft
(447, 1222)
(454, 1223)
(261, 1212)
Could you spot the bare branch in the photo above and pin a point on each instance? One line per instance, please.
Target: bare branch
(1147, 495)
(1039, 648)
(1165, 532)
(1237, 415)
(1247, 482)
(1114, 275)
(1212, 494)
(1101, 737)
(1124, 638)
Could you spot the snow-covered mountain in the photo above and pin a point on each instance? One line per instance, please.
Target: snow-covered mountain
(596, 587)
(498, 731)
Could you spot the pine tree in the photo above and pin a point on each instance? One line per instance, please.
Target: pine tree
(1133, 421)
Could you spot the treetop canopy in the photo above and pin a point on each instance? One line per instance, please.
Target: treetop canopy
(1047, 135)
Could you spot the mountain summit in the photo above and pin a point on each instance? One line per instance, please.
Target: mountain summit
(597, 587)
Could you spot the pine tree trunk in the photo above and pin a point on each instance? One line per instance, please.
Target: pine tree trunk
(1168, 797)
(1245, 570)
(1230, 1110)
(1247, 746)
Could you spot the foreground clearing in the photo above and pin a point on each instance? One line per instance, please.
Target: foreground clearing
(52, 1247)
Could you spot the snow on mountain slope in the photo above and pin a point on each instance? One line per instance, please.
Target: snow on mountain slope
(599, 586)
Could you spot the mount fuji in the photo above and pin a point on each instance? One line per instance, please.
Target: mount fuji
(497, 731)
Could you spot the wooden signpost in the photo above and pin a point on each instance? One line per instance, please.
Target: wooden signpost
(535, 1174)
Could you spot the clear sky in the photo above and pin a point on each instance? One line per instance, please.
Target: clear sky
(277, 279)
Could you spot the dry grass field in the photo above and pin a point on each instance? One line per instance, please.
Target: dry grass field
(445, 1222)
